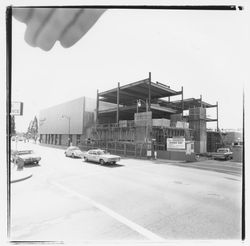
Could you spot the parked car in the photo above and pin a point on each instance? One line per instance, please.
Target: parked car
(25, 156)
(101, 156)
(73, 151)
(223, 154)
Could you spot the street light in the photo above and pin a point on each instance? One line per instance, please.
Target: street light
(68, 118)
(138, 105)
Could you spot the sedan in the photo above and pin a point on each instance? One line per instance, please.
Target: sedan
(101, 156)
(74, 152)
(24, 156)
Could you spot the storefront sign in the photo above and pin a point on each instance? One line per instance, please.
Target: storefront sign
(175, 143)
(16, 108)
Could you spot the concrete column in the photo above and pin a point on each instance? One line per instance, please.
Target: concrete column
(118, 102)
(97, 107)
(149, 92)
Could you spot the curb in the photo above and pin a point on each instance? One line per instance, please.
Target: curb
(168, 161)
(21, 178)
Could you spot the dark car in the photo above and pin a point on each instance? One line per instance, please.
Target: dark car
(223, 154)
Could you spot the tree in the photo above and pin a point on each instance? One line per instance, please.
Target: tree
(33, 129)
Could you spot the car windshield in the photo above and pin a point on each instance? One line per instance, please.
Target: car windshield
(222, 150)
(74, 148)
(25, 152)
(102, 152)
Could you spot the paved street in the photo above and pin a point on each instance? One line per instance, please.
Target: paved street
(67, 199)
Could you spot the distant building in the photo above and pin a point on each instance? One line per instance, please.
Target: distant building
(71, 121)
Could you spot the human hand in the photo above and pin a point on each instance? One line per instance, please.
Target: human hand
(45, 26)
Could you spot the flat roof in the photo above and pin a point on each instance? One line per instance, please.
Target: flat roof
(138, 90)
(132, 108)
(191, 103)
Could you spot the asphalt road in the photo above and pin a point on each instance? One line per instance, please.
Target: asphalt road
(70, 200)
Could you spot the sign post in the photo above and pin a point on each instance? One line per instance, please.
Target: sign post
(16, 108)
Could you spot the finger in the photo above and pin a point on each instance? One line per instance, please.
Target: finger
(36, 23)
(80, 27)
(54, 27)
(22, 14)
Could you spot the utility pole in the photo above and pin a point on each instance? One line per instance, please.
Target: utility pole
(97, 107)
(182, 104)
(68, 118)
(217, 115)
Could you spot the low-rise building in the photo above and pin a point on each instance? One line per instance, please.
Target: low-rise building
(67, 122)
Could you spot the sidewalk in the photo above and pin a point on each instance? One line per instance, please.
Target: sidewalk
(17, 175)
(167, 161)
(52, 146)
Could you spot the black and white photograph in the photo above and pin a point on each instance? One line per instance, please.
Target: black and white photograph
(125, 123)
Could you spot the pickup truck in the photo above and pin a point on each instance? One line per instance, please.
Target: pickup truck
(223, 154)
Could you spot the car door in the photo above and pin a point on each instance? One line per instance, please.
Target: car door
(69, 152)
(98, 156)
(90, 155)
(95, 156)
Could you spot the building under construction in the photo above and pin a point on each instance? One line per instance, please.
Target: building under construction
(143, 116)
(137, 119)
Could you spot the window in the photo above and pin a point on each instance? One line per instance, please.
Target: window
(73, 148)
(70, 138)
(78, 139)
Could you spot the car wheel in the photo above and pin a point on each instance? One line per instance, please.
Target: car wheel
(113, 162)
(72, 155)
(102, 162)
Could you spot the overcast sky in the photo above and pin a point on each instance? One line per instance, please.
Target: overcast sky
(203, 51)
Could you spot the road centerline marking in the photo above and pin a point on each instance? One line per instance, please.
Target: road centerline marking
(141, 230)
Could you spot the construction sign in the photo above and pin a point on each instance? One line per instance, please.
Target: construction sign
(175, 143)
